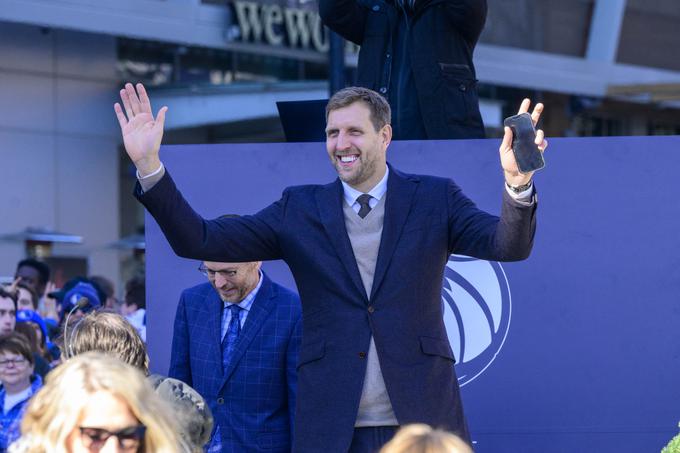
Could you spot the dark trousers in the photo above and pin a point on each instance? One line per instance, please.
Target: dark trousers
(371, 439)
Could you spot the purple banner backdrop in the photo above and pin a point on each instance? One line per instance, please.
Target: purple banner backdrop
(575, 349)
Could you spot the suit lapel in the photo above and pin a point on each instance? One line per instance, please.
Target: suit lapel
(215, 324)
(400, 193)
(330, 200)
(259, 310)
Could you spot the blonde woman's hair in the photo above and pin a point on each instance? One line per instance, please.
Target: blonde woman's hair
(109, 333)
(419, 438)
(54, 411)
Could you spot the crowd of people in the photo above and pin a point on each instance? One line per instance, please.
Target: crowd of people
(74, 374)
(42, 326)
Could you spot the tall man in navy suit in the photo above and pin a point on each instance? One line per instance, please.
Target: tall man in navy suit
(236, 341)
(368, 253)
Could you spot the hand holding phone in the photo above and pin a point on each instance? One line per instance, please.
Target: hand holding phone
(519, 139)
(528, 156)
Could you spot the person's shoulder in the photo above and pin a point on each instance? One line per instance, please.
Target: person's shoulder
(309, 189)
(285, 293)
(423, 179)
(286, 298)
(200, 290)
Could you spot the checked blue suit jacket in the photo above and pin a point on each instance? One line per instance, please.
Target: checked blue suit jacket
(253, 401)
(426, 219)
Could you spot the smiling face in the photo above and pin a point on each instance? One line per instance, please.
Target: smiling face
(357, 151)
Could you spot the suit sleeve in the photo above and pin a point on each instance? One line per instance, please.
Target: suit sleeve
(180, 363)
(291, 370)
(345, 17)
(475, 233)
(240, 239)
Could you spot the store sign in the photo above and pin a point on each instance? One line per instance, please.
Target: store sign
(281, 26)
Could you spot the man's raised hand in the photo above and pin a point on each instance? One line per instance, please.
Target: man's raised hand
(142, 134)
(512, 175)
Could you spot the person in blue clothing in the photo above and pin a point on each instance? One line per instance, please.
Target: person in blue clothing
(18, 385)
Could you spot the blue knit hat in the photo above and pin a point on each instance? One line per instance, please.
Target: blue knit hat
(81, 290)
(31, 316)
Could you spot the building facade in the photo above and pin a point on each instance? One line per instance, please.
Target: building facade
(221, 66)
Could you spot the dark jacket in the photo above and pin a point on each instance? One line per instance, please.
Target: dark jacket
(442, 38)
(426, 219)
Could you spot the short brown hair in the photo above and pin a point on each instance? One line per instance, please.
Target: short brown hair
(378, 106)
(6, 293)
(17, 343)
(110, 333)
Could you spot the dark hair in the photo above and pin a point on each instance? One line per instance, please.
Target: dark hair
(17, 343)
(27, 331)
(135, 292)
(378, 106)
(5, 293)
(104, 284)
(34, 296)
(42, 268)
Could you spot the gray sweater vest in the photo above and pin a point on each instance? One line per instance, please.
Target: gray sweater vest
(375, 408)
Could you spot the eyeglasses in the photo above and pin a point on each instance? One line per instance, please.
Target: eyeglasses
(17, 361)
(129, 439)
(229, 273)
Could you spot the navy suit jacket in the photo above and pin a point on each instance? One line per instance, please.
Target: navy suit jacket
(253, 401)
(426, 219)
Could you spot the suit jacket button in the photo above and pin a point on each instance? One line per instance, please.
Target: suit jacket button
(220, 400)
(371, 309)
(362, 355)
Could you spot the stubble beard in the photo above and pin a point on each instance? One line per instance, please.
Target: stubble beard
(361, 173)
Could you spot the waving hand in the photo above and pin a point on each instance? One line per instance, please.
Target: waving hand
(142, 133)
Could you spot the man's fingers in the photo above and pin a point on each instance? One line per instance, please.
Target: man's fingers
(15, 283)
(540, 135)
(126, 104)
(145, 103)
(160, 118)
(524, 106)
(536, 114)
(134, 100)
(122, 120)
(540, 140)
(507, 140)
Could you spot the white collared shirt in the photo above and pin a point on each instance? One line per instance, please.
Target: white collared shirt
(376, 193)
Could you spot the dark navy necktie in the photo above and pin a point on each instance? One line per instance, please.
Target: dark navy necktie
(365, 207)
(230, 338)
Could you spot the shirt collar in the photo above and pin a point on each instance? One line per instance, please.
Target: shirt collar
(247, 301)
(377, 192)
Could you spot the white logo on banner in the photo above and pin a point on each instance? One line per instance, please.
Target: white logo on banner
(477, 310)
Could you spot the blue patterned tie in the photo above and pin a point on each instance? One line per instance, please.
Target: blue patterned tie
(230, 338)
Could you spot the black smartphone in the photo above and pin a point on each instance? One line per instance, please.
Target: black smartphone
(529, 158)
